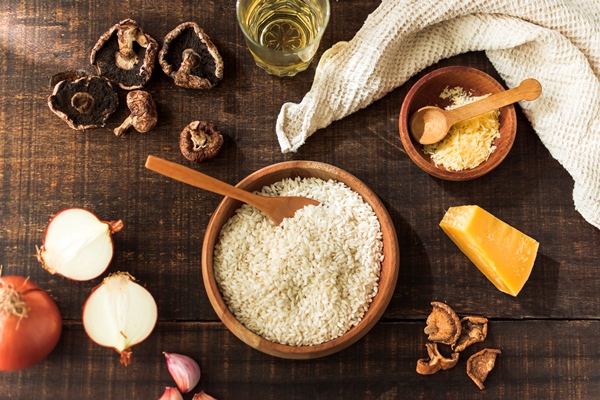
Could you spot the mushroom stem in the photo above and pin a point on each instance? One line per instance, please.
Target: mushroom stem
(190, 59)
(82, 102)
(126, 58)
(199, 138)
(124, 126)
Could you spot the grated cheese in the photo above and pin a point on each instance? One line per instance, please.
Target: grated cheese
(468, 143)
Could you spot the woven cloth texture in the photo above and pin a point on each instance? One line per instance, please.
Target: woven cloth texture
(555, 41)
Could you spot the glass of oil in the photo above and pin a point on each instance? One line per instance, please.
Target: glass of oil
(283, 35)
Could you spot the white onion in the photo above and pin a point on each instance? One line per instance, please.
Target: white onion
(77, 244)
(119, 314)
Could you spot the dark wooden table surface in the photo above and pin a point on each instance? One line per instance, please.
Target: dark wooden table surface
(549, 334)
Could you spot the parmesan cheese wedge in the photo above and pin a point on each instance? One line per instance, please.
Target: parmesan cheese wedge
(502, 253)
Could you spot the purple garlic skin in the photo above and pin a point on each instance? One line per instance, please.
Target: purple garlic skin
(184, 370)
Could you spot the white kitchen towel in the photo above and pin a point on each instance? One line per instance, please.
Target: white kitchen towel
(554, 41)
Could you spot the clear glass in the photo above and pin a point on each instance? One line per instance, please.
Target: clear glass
(283, 35)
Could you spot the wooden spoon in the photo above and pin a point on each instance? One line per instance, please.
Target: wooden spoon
(276, 208)
(431, 124)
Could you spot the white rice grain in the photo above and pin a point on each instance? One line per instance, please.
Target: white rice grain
(309, 280)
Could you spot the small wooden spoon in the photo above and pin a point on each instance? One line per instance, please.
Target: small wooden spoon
(276, 208)
(431, 124)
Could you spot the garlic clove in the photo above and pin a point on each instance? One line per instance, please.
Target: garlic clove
(171, 393)
(202, 396)
(184, 370)
(77, 244)
(119, 313)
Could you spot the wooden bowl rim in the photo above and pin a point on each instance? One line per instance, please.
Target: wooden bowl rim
(379, 303)
(412, 147)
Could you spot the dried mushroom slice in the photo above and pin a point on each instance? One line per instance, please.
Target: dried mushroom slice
(125, 55)
(443, 325)
(85, 102)
(436, 361)
(200, 141)
(143, 115)
(480, 364)
(473, 330)
(190, 57)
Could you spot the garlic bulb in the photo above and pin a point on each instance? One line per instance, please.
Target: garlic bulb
(184, 370)
(119, 313)
(77, 245)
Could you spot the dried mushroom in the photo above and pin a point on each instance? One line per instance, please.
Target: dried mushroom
(200, 141)
(443, 325)
(143, 115)
(436, 361)
(125, 55)
(190, 57)
(70, 76)
(480, 364)
(473, 330)
(84, 103)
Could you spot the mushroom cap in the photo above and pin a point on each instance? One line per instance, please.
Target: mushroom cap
(143, 115)
(70, 75)
(206, 72)
(200, 141)
(473, 330)
(443, 325)
(104, 101)
(143, 110)
(436, 361)
(103, 56)
(480, 364)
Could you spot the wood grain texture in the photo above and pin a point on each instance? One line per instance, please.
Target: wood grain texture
(536, 362)
(548, 334)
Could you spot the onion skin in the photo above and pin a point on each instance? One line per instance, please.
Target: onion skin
(25, 341)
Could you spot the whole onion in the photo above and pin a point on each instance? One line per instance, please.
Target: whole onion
(30, 323)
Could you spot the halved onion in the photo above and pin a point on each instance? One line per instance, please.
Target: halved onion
(77, 244)
(119, 314)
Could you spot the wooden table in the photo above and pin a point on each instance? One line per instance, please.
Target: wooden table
(548, 334)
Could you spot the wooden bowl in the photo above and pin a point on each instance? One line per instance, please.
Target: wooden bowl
(426, 92)
(387, 279)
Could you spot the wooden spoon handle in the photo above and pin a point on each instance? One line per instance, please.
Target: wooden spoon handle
(198, 179)
(529, 89)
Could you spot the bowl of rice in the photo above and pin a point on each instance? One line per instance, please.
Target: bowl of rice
(472, 148)
(316, 283)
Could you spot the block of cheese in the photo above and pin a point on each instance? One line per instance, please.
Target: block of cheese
(502, 253)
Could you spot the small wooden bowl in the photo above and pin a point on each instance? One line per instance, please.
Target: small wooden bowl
(426, 92)
(387, 279)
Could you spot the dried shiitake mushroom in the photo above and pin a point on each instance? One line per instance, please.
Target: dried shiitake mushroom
(473, 330)
(190, 57)
(125, 55)
(480, 364)
(70, 76)
(200, 141)
(443, 325)
(436, 361)
(143, 115)
(84, 103)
